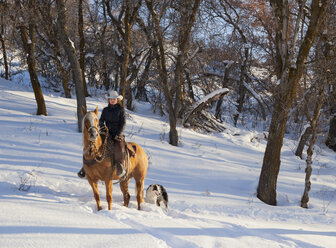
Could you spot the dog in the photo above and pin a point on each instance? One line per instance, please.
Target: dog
(157, 194)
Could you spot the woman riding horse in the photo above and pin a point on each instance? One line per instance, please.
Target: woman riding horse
(113, 116)
(98, 158)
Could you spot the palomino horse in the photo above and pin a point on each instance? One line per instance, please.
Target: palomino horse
(98, 166)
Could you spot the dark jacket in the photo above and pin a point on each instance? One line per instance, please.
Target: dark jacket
(115, 119)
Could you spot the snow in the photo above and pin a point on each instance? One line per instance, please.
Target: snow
(211, 181)
(207, 97)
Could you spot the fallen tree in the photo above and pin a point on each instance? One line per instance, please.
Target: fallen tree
(196, 117)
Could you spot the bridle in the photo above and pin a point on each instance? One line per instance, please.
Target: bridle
(93, 127)
(92, 147)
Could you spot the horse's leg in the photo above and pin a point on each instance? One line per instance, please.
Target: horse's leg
(124, 190)
(139, 187)
(94, 185)
(109, 188)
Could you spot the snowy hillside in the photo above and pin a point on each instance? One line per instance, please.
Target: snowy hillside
(211, 182)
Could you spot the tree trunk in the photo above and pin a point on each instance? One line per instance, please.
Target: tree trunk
(187, 22)
(3, 48)
(4, 53)
(290, 76)
(303, 141)
(65, 82)
(72, 56)
(127, 93)
(240, 101)
(106, 79)
(310, 150)
(309, 162)
(125, 31)
(64, 76)
(82, 44)
(29, 47)
(161, 61)
(308, 170)
(141, 90)
(218, 112)
(242, 88)
(331, 140)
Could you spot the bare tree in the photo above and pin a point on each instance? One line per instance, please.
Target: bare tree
(49, 43)
(29, 40)
(187, 14)
(124, 23)
(290, 67)
(313, 120)
(73, 58)
(3, 10)
(229, 12)
(82, 44)
(187, 11)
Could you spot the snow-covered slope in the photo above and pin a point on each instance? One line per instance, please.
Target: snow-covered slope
(211, 182)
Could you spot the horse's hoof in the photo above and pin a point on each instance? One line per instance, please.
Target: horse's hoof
(100, 208)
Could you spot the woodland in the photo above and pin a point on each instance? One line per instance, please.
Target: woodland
(202, 63)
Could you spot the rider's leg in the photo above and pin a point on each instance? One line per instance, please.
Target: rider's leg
(119, 157)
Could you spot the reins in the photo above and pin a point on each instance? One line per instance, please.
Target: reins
(98, 158)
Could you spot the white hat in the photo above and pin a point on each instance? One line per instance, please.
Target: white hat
(114, 95)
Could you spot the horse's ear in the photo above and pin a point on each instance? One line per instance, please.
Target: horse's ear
(96, 110)
(83, 110)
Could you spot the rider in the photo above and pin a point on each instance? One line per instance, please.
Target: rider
(113, 116)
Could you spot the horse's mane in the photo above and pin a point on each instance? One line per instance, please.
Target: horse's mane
(83, 126)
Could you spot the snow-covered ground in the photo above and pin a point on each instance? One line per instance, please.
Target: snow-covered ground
(211, 182)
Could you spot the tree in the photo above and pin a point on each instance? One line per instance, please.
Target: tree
(70, 50)
(124, 24)
(229, 12)
(313, 120)
(82, 44)
(28, 41)
(49, 44)
(186, 11)
(328, 37)
(289, 70)
(3, 9)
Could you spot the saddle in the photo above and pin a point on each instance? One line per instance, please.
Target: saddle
(131, 148)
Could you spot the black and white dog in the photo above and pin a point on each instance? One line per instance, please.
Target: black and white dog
(157, 194)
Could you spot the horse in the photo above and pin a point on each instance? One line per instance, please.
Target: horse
(98, 166)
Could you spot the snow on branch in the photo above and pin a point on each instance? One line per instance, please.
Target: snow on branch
(199, 105)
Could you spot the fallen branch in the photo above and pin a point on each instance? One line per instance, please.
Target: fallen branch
(199, 105)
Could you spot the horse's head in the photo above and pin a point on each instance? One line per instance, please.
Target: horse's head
(90, 124)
